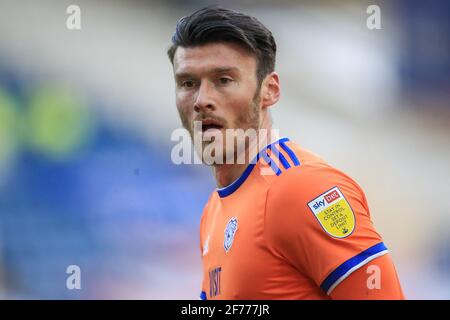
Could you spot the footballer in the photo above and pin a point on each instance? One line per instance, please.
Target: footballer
(282, 224)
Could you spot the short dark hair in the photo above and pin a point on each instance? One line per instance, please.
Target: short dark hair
(215, 24)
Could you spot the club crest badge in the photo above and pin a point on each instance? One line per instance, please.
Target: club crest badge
(334, 213)
(230, 232)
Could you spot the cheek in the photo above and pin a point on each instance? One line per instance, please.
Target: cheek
(184, 104)
(240, 105)
(185, 115)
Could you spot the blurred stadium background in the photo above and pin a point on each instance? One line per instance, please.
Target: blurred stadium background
(86, 118)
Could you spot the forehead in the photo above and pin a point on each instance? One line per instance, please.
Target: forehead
(212, 56)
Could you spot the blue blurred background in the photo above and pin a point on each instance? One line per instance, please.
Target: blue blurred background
(86, 116)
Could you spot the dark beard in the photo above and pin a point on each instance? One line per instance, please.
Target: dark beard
(248, 120)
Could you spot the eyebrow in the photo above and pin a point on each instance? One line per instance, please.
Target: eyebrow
(214, 70)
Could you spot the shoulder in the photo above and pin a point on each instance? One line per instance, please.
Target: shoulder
(206, 211)
(313, 177)
(297, 195)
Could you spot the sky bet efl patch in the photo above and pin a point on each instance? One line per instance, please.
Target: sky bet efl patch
(333, 213)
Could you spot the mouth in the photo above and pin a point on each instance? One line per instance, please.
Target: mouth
(209, 124)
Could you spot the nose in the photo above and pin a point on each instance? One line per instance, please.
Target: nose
(204, 101)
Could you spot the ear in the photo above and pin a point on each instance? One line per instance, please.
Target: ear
(270, 90)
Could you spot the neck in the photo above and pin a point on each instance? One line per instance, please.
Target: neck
(226, 174)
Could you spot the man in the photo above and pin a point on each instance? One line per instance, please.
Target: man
(301, 231)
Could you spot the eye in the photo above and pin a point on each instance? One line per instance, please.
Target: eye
(188, 84)
(224, 80)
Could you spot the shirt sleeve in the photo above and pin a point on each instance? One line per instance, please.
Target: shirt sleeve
(378, 280)
(317, 219)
